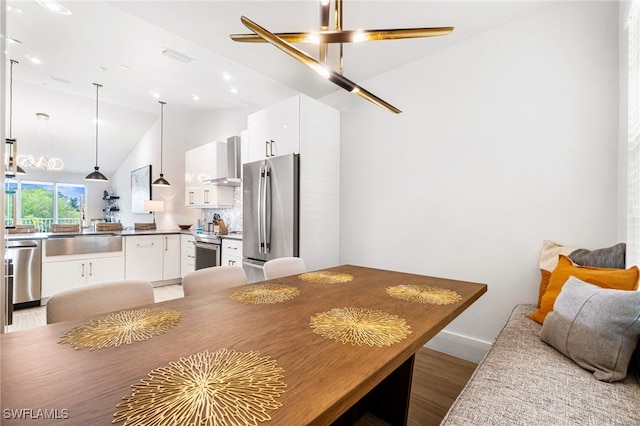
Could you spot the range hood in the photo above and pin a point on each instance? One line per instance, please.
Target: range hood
(233, 165)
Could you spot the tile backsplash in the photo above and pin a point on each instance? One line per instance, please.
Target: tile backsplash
(232, 217)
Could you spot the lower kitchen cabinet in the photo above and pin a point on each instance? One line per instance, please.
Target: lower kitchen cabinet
(187, 254)
(231, 252)
(65, 274)
(152, 257)
(171, 257)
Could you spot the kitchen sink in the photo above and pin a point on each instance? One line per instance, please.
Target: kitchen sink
(73, 244)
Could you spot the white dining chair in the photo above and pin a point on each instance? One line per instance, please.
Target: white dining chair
(213, 278)
(283, 266)
(100, 298)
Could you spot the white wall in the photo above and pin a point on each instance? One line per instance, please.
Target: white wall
(182, 131)
(506, 139)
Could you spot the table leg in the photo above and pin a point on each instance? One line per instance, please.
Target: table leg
(389, 401)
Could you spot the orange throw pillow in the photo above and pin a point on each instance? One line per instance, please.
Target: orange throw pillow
(618, 279)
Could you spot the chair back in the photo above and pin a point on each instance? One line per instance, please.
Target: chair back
(213, 278)
(283, 266)
(98, 298)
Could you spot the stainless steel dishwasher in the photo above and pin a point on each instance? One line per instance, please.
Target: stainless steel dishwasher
(25, 255)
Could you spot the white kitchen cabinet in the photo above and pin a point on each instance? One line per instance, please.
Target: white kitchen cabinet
(187, 254)
(205, 162)
(143, 257)
(152, 257)
(275, 130)
(171, 257)
(208, 196)
(61, 275)
(231, 252)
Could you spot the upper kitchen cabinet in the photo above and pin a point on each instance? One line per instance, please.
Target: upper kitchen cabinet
(206, 162)
(285, 127)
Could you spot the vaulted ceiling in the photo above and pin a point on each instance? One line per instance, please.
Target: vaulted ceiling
(119, 44)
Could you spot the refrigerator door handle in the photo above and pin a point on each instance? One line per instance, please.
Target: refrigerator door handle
(267, 210)
(260, 210)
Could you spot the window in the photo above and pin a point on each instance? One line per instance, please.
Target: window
(33, 203)
(69, 205)
(633, 162)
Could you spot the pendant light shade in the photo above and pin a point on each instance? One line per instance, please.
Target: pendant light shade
(96, 175)
(161, 181)
(12, 168)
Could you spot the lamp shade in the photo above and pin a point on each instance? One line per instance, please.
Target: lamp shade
(154, 205)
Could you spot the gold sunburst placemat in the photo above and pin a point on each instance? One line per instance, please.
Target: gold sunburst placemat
(121, 327)
(326, 277)
(360, 326)
(208, 388)
(424, 294)
(265, 293)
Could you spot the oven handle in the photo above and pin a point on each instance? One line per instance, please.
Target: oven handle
(207, 246)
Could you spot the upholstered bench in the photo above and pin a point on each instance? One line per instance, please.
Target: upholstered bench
(524, 381)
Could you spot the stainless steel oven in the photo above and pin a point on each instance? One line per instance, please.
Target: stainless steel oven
(207, 248)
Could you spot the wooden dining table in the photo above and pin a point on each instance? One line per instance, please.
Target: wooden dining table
(319, 379)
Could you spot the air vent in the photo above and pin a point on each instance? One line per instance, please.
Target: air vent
(174, 54)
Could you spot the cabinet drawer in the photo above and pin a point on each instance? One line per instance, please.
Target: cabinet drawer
(231, 247)
(230, 260)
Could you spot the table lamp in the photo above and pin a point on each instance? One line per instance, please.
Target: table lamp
(154, 206)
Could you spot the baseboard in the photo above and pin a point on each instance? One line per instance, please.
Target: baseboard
(460, 346)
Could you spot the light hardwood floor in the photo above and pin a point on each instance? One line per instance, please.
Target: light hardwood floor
(438, 378)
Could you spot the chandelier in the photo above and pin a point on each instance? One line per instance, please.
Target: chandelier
(326, 36)
(40, 162)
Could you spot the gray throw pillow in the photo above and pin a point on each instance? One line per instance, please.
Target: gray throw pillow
(610, 257)
(595, 327)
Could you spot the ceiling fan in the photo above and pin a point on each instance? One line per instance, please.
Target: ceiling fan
(326, 36)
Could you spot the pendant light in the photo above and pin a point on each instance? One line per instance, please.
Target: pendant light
(161, 181)
(12, 168)
(96, 175)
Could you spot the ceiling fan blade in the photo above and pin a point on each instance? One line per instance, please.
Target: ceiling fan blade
(317, 66)
(349, 36)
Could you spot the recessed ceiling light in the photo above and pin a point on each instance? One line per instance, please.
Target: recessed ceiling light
(13, 9)
(226, 76)
(54, 7)
(34, 60)
(124, 67)
(174, 54)
(155, 94)
(233, 90)
(13, 41)
(195, 97)
(42, 116)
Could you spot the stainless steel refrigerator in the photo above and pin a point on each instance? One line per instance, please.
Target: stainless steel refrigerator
(270, 198)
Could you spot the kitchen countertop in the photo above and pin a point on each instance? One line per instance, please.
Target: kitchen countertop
(124, 233)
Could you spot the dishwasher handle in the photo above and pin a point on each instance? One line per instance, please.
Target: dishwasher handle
(24, 247)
